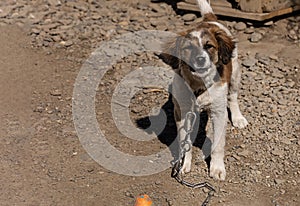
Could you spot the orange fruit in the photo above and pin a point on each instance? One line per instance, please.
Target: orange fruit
(143, 200)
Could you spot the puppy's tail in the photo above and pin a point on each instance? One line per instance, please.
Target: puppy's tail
(206, 10)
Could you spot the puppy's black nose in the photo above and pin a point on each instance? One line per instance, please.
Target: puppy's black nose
(200, 61)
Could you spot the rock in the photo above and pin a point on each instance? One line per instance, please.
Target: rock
(292, 35)
(170, 202)
(279, 181)
(56, 92)
(240, 26)
(291, 83)
(249, 62)
(274, 57)
(262, 58)
(250, 74)
(286, 141)
(5, 11)
(277, 74)
(236, 157)
(282, 113)
(249, 30)
(35, 31)
(244, 153)
(277, 152)
(157, 8)
(54, 2)
(155, 22)
(269, 23)
(67, 43)
(56, 38)
(255, 37)
(129, 194)
(39, 109)
(206, 190)
(189, 17)
(97, 16)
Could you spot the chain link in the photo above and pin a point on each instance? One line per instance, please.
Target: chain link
(185, 146)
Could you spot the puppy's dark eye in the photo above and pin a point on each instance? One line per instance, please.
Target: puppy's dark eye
(208, 46)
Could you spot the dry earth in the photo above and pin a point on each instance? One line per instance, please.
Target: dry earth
(43, 47)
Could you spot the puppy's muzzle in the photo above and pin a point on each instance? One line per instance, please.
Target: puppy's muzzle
(200, 64)
(200, 61)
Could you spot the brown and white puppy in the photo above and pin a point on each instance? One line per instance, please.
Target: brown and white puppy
(207, 59)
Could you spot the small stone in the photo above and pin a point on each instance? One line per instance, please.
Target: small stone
(236, 157)
(244, 153)
(273, 57)
(56, 92)
(189, 17)
(67, 43)
(279, 181)
(123, 23)
(269, 23)
(292, 34)
(240, 26)
(39, 109)
(231, 159)
(277, 74)
(157, 8)
(250, 74)
(96, 16)
(249, 30)
(158, 182)
(35, 31)
(255, 37)
(206, 190)
(286, 141)
(277, 152)
(50, 112)
(54, 2)
(249, 62)
(4, 12)
(291, 83)
(170, 202)
(56, 38)
(129, 194)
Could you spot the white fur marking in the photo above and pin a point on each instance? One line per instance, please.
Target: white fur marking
(209, 75)
(198, 35)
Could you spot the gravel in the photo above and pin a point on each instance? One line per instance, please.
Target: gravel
(262, 157)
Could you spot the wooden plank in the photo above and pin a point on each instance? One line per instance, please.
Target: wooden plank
(265, 5)
(223, 3)
(251, 6)
(240, 14)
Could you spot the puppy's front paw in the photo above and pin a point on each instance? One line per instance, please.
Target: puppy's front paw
(217, 170)
(239, 121)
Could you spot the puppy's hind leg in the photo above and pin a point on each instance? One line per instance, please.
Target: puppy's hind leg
(238, 120)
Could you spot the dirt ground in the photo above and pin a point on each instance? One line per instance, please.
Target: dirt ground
(44, 163)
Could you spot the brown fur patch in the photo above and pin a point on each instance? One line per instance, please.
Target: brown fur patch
(210, 17)
(225, 72)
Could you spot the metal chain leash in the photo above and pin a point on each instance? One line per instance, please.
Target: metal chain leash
(185, 146)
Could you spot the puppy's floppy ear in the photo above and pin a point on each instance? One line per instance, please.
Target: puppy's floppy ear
(172, 51)
(226, 46)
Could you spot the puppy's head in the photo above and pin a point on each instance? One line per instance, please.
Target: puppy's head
(202, 49)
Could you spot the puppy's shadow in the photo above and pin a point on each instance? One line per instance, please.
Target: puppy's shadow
(168, 135)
